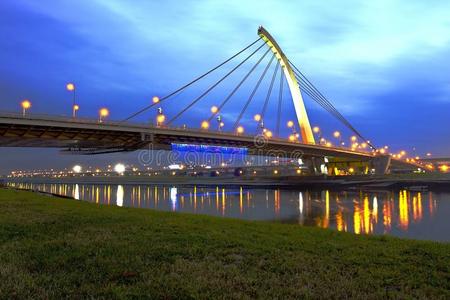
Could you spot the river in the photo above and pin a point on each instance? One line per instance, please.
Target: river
(413, 214)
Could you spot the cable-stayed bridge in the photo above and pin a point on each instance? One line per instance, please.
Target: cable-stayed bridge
(220, 124)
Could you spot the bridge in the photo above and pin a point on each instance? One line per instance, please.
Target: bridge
(87, 136)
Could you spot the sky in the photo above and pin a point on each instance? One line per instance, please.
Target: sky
(383, 64)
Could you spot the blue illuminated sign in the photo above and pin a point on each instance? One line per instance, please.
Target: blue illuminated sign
(209, 149)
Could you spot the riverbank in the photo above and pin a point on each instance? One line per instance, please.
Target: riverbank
(54, 248)
(421, 181)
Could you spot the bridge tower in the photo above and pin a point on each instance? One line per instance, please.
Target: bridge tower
(299, 105)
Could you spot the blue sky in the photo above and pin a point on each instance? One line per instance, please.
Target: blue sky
(384, 64)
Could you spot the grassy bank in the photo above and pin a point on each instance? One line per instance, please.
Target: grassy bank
(53, 248)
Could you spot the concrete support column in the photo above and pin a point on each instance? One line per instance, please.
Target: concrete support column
(314, 165)
(381, 164)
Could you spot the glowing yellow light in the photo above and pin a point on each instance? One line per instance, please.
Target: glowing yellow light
(299, 171)
(351, 170)
(161, 118)
(76, 168)
(290, 124)
(336, 134)
(275, 172)
(382, 151)
(205, 125)
(70, 87)
(221, 124)
(257, 117)
(214, 109)
(119, 168)
(292, 138)
(316, 129)
(268, 133)
(417, 158)
(353, 138)
(328, 144)
(240, 129)
(364, 145)
(155, 99)
(26, 104)
(444, 168)
(76, 107)
(402, 152)
(104, 112)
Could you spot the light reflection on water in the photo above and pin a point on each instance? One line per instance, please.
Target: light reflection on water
(419, 215)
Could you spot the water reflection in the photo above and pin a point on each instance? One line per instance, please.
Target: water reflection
(119, 196)
(401, 213)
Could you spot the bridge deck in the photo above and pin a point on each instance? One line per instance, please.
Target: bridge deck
(108, 136)
(63, 132)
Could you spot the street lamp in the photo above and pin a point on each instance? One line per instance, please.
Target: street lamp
(219, 122)
(214, 109)
(240, 130)
(155, 99)
(316, 130)
(257, 117)
(337, 135)
(205, 125)
(119, 168)
(76, 169)
(160, 117)
(71, 88)
(103, 113)
(26, 104)
(76, 107)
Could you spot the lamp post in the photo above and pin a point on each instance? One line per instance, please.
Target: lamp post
(258, 118)
(160, 118)
(71, 88)
(337, 135)
(219, 123)
(293, 135)
(205, 125)
(316, 130)
(103, 113)
(76, 107)
(26, 104)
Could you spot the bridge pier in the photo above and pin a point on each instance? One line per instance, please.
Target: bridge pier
(316, 165)
(381, 164)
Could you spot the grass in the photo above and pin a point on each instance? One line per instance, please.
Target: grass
(58, 248)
